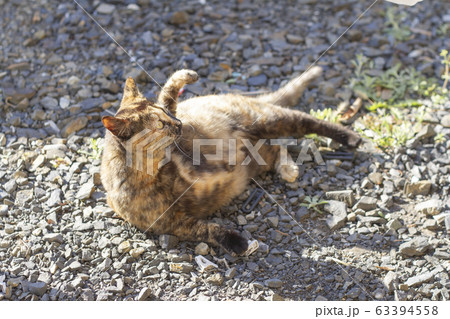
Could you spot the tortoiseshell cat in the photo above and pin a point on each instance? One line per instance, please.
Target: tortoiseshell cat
(178, 196)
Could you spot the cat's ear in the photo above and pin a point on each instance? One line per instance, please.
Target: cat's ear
(131, 90)
(115, 125)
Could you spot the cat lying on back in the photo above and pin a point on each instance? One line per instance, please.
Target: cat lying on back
(175, 198)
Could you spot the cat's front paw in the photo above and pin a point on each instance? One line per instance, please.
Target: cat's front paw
(289, 172)
(234, 242)
(187, 76)
(354, 140)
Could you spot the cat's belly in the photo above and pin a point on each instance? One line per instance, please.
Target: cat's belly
(207, 191)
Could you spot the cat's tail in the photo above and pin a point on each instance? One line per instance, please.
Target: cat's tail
(289, 94)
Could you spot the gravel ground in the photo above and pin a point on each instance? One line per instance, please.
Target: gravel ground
(384, 234)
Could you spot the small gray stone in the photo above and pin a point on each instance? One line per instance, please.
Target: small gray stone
(386, 200)
(426, 132)
(80, 226)
(273, 283)
(417, 188)
(379, 294)
(251, 228)
(389, 280)
(136, 252)
(376, 178)
(55, 198)
(394, 224)
(2, 139)
(445, 122)
(23, 197)
(9, 229)
(168, 241)
(430, 224)
(147, 38)
(144, 294)
(3, 194)
(99, 225)
(254, 70)
(294, 39)
(216, 279)
(45, 277)
(429, 207)
(124, 247)
(54, 238)
(321, 298)
(354, 293)
(64, 102)
(74, 125)
(371, 219)
(86, 255)
(85, 191)
(257, 80)
(273, 221)
(276, 297)
(423, 277)
(37, 288)
(75, 265)
(366, 203)
(105, 8)
(447, 222)
(3, 210)
(415, 247)
(104, 242)
(10, 186)
(338, 217)
(40, 159)
(102, 296)
(49, 103)
(230, 273)
(345, 196)
(442, 253)
(105, 264)
(241, 220)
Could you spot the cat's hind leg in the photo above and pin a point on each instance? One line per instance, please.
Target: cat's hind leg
(286, 167)
(168, 97)
(186, 227)
(278, 122)
(278, 159)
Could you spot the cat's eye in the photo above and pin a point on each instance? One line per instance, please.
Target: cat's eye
(159, 125)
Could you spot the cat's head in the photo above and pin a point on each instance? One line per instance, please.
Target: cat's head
(138, 116)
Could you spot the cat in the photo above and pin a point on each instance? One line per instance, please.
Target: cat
(175, 198)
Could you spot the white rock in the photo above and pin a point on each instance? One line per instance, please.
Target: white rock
(429, 207)
(105, 8)
(85, 191)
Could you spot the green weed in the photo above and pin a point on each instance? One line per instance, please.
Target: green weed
(393, 27)
(313, 203)
(397, 87)
(96, 149)
(328, 114)
(387, 128)
(446, 62)
(440, 138)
